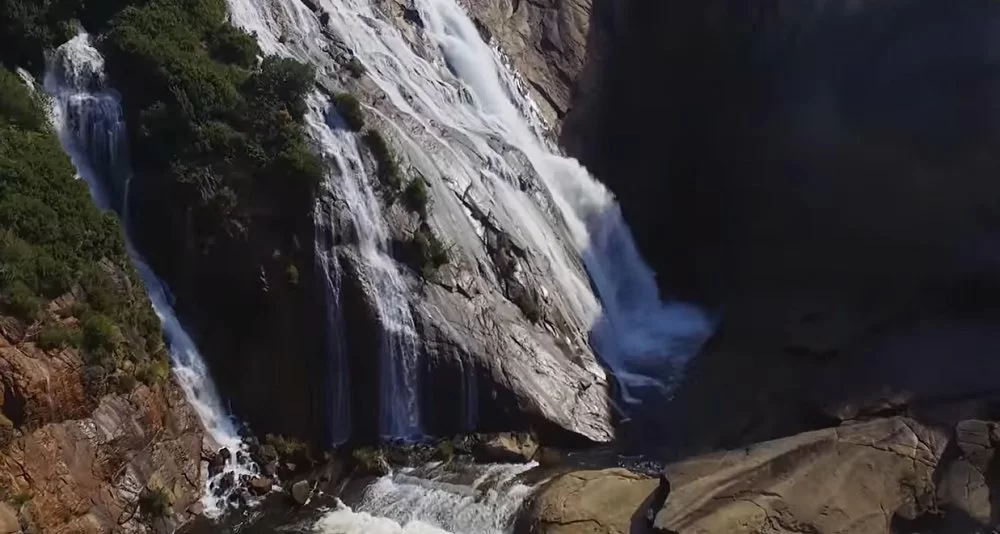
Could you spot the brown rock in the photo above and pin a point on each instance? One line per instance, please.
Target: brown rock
(260, 485)
(592, 502)
(9, 523)
(506, 447)
(79, 460)
(196, 508)
(847, 480)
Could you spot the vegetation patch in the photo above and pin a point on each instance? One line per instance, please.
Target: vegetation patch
(212, 126)
(154, 503)
(54, 241)
(385, 162)
(350, 109)
(59, 336)
(416, 198)
(428, 252)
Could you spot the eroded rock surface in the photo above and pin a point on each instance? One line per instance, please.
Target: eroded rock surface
(868, 478)
(71, 465)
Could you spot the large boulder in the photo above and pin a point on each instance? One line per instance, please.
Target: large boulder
(851, 479)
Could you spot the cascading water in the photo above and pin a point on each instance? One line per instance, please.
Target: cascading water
(347, 181)
(399, 415)
(451, 87)
(88, 118)
(435, 499)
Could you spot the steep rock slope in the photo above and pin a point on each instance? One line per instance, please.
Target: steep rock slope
(497, 301)
(94, 434)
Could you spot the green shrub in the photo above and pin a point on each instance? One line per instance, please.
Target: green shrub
(58, 336)
(18, 107)
(95, 381)
(286, 448)
(350, 109)
(371, 461)
(20, 499)
(125, 383)
(154, 371)
(154, 503)
(101, 336)
(429, 252)
(386, 166)
(415, 197)
(22, 302)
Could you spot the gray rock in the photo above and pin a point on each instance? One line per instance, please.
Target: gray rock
(506, 447)
(301, 491)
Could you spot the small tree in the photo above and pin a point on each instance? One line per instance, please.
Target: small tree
(350, 109)
(415, 197)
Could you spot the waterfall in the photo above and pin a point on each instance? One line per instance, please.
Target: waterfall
(467, 119)
(436, 499)
(399, 414)
(91, 128)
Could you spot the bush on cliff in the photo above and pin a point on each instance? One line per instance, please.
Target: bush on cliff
(212, 124)
(54, 241)
(350, 109)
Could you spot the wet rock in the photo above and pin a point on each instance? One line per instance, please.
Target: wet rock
(196, 508)
(506, 447)
(216, 464)
(270, 469)
(241, 457)
(225, 483)
(300, 492)
(549, 456)
(225, 455)
(260, 485)
(413, 16)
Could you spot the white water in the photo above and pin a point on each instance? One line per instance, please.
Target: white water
(467, 119)
(399, 415)
(89, 121)
(435, 501)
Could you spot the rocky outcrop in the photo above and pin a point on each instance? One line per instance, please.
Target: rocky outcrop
(558, 48)
(69, 464)
(889, 475)
(593, 502)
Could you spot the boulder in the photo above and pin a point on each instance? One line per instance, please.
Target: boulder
(853, 479)
(301, 491)
(592, 502)
(9, 523)
(260, 485)
(506, 447)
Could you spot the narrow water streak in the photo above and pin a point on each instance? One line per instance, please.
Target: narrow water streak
(89, 120)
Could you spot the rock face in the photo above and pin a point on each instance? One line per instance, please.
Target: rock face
(498, 342)
(68, 465)
(556, 46)
(887, 475)
(755, 154)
